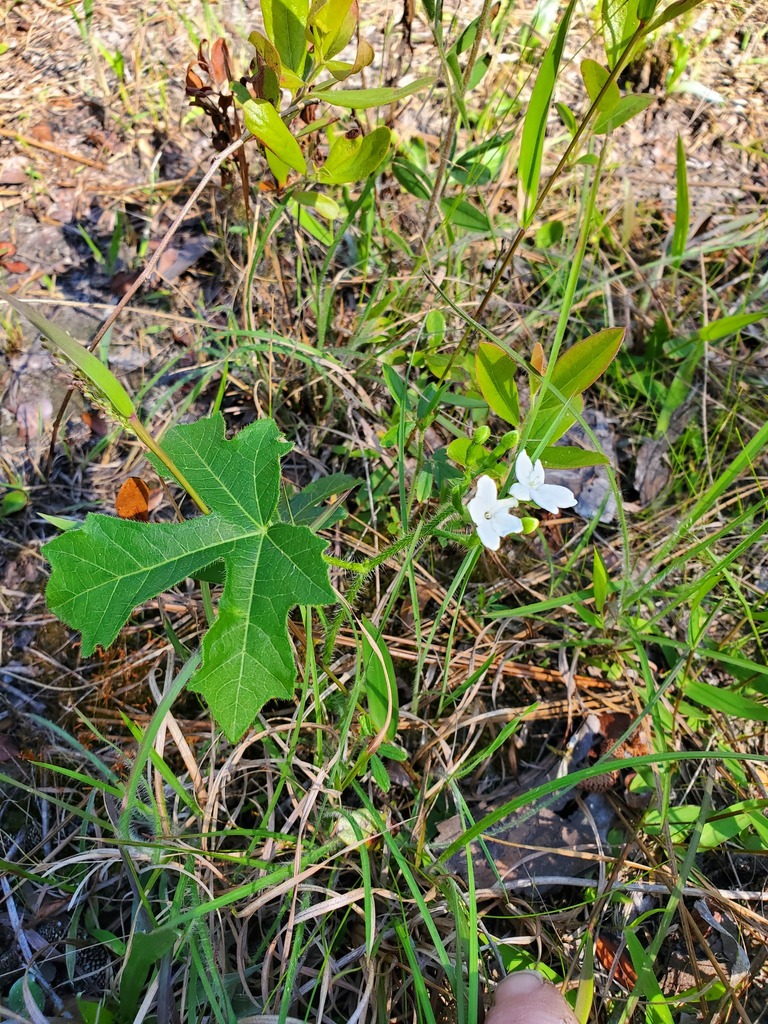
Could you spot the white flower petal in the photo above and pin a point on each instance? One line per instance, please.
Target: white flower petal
(523, 467)
(520, 491)
(505, 504)
(553, 497)
(505, 524)
(484, 500)
(536, 479)
(488, 534)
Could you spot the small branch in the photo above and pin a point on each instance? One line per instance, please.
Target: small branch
(149, 270)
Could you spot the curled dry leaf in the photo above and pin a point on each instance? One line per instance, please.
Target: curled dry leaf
(526, 997)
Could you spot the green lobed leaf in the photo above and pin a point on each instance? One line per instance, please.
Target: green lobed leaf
(265, 124)
(495, 372)
(104, 570)
(535, 124)
(285, 22)
(357, 158)
(361, 99)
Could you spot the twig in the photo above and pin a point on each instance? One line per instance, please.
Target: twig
(50, 147)
(148, 270)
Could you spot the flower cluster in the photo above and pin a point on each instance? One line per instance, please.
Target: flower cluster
(491, 514)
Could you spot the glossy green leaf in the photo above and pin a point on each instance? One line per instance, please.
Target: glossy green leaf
(97, 380)
(627, 108)
(279, 168)
(682, 206)
(101, 572)
(549, 234)
(265, 124)
(332, 25)
(320, 202)
(357, 158)
(567, 117)
(17, 1003)
(285, 23)
(362, 99)
(434, 328)
(536, 117)
(342, 69)
(458, 450)
(552, 418)
(566, 456)
(496, 372)
(463, 214)
(581, 365)
(576, 369)
(595, 76)
(380, 682)
(307, 220)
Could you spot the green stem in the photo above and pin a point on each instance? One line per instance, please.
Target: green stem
(523, 229)
(146, 438)
(363, 569)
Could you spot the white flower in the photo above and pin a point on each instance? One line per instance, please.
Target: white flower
(490, 514)
(530, 486)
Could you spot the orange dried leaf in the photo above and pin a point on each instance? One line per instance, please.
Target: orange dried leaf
(132, 501)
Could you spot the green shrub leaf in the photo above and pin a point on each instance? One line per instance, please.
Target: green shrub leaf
(285, 22)
(496, 379)
(355, 159)
(264, 122)
(361, 99)
(102, 571)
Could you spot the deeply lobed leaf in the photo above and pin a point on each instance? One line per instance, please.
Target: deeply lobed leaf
(105, 569)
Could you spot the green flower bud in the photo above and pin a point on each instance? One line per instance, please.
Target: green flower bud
(481, 435)
(530, 525)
